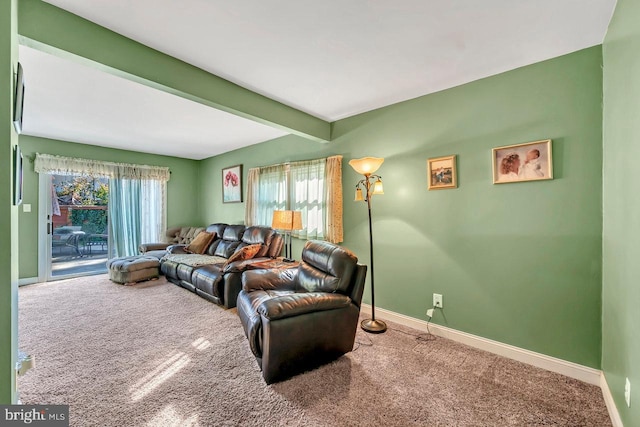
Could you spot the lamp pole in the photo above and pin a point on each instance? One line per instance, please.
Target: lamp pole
(371, 325)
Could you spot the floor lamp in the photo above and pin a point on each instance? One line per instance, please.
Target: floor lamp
(372, 184)
(287, 221)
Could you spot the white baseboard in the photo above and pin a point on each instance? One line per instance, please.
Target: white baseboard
(28, 281)
(569, 369)
(611, 405)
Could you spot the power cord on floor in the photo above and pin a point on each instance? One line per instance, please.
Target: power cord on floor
(423, 337)
(360, 343)
(419, 337)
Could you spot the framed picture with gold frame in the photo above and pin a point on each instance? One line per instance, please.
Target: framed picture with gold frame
(442, 173)
(530, 161)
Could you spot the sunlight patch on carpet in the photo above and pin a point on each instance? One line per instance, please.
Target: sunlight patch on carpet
(158, 376)
(169, 417)
(201, 344)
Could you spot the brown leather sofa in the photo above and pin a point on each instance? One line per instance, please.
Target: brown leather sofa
(297, 319)
(215, 281)
(173, 236)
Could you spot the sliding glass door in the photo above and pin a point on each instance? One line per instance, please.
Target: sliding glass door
(75, 225)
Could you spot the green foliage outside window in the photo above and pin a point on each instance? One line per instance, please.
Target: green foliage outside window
(93, 221)
(84, 191)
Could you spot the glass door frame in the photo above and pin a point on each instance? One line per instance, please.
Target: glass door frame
(45, 234)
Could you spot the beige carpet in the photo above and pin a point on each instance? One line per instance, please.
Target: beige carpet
(157, 355)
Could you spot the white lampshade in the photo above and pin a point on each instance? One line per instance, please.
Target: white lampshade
(359, 195)
(366, 165)
(377, 187)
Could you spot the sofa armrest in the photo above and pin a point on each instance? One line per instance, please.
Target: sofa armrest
(264, 280)
(146, 247)
(177, 249)
(247, 264)
(301, 303)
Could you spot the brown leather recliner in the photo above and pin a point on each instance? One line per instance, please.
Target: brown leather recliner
(297, 319)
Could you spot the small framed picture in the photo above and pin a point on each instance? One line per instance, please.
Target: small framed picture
(530, 161)
(232, 184)
(442, 173)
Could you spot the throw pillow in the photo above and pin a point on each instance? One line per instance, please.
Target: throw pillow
(245, 253)
(200, 243)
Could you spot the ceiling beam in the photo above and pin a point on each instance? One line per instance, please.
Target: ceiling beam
(53, 30)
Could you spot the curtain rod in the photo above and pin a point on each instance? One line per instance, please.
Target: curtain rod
(297, 161)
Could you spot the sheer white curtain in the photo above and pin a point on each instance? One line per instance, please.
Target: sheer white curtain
(153, 211)
(307, 195)
(137, 197)
(272, 194)
(313, 187)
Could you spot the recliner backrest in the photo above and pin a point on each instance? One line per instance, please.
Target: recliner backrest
(256, 235)
(217, 228)
(230, 241)
(357, 284)
(275, 248)
(183, 235)
(233, 233)
(326, 267)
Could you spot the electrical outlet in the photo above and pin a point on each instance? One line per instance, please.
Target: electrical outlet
(437, 300)
(627, 392)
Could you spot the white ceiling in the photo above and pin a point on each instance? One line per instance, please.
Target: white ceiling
(72, 102)
(335, 58)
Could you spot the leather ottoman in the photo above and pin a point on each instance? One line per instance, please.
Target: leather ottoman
(133, 269)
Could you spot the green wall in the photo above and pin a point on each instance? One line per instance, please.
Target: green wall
(8, 213)
(183, 191)
(517, 263)
(621, 208)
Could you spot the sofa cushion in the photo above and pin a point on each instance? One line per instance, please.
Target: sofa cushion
(211, 250)
(226, 248)
(184, 272)
(217, 228)
(259, 235)
(194, 260)
(242, 254)
(169, 268)
(200, 243)
(233, 233)
(207, 278)
(187, 234)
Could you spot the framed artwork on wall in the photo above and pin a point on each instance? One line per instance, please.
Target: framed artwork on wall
(442, 173)
(232, 184)
(530, 161)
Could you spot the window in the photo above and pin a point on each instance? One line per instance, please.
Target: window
(313, 187)
(137, 197)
